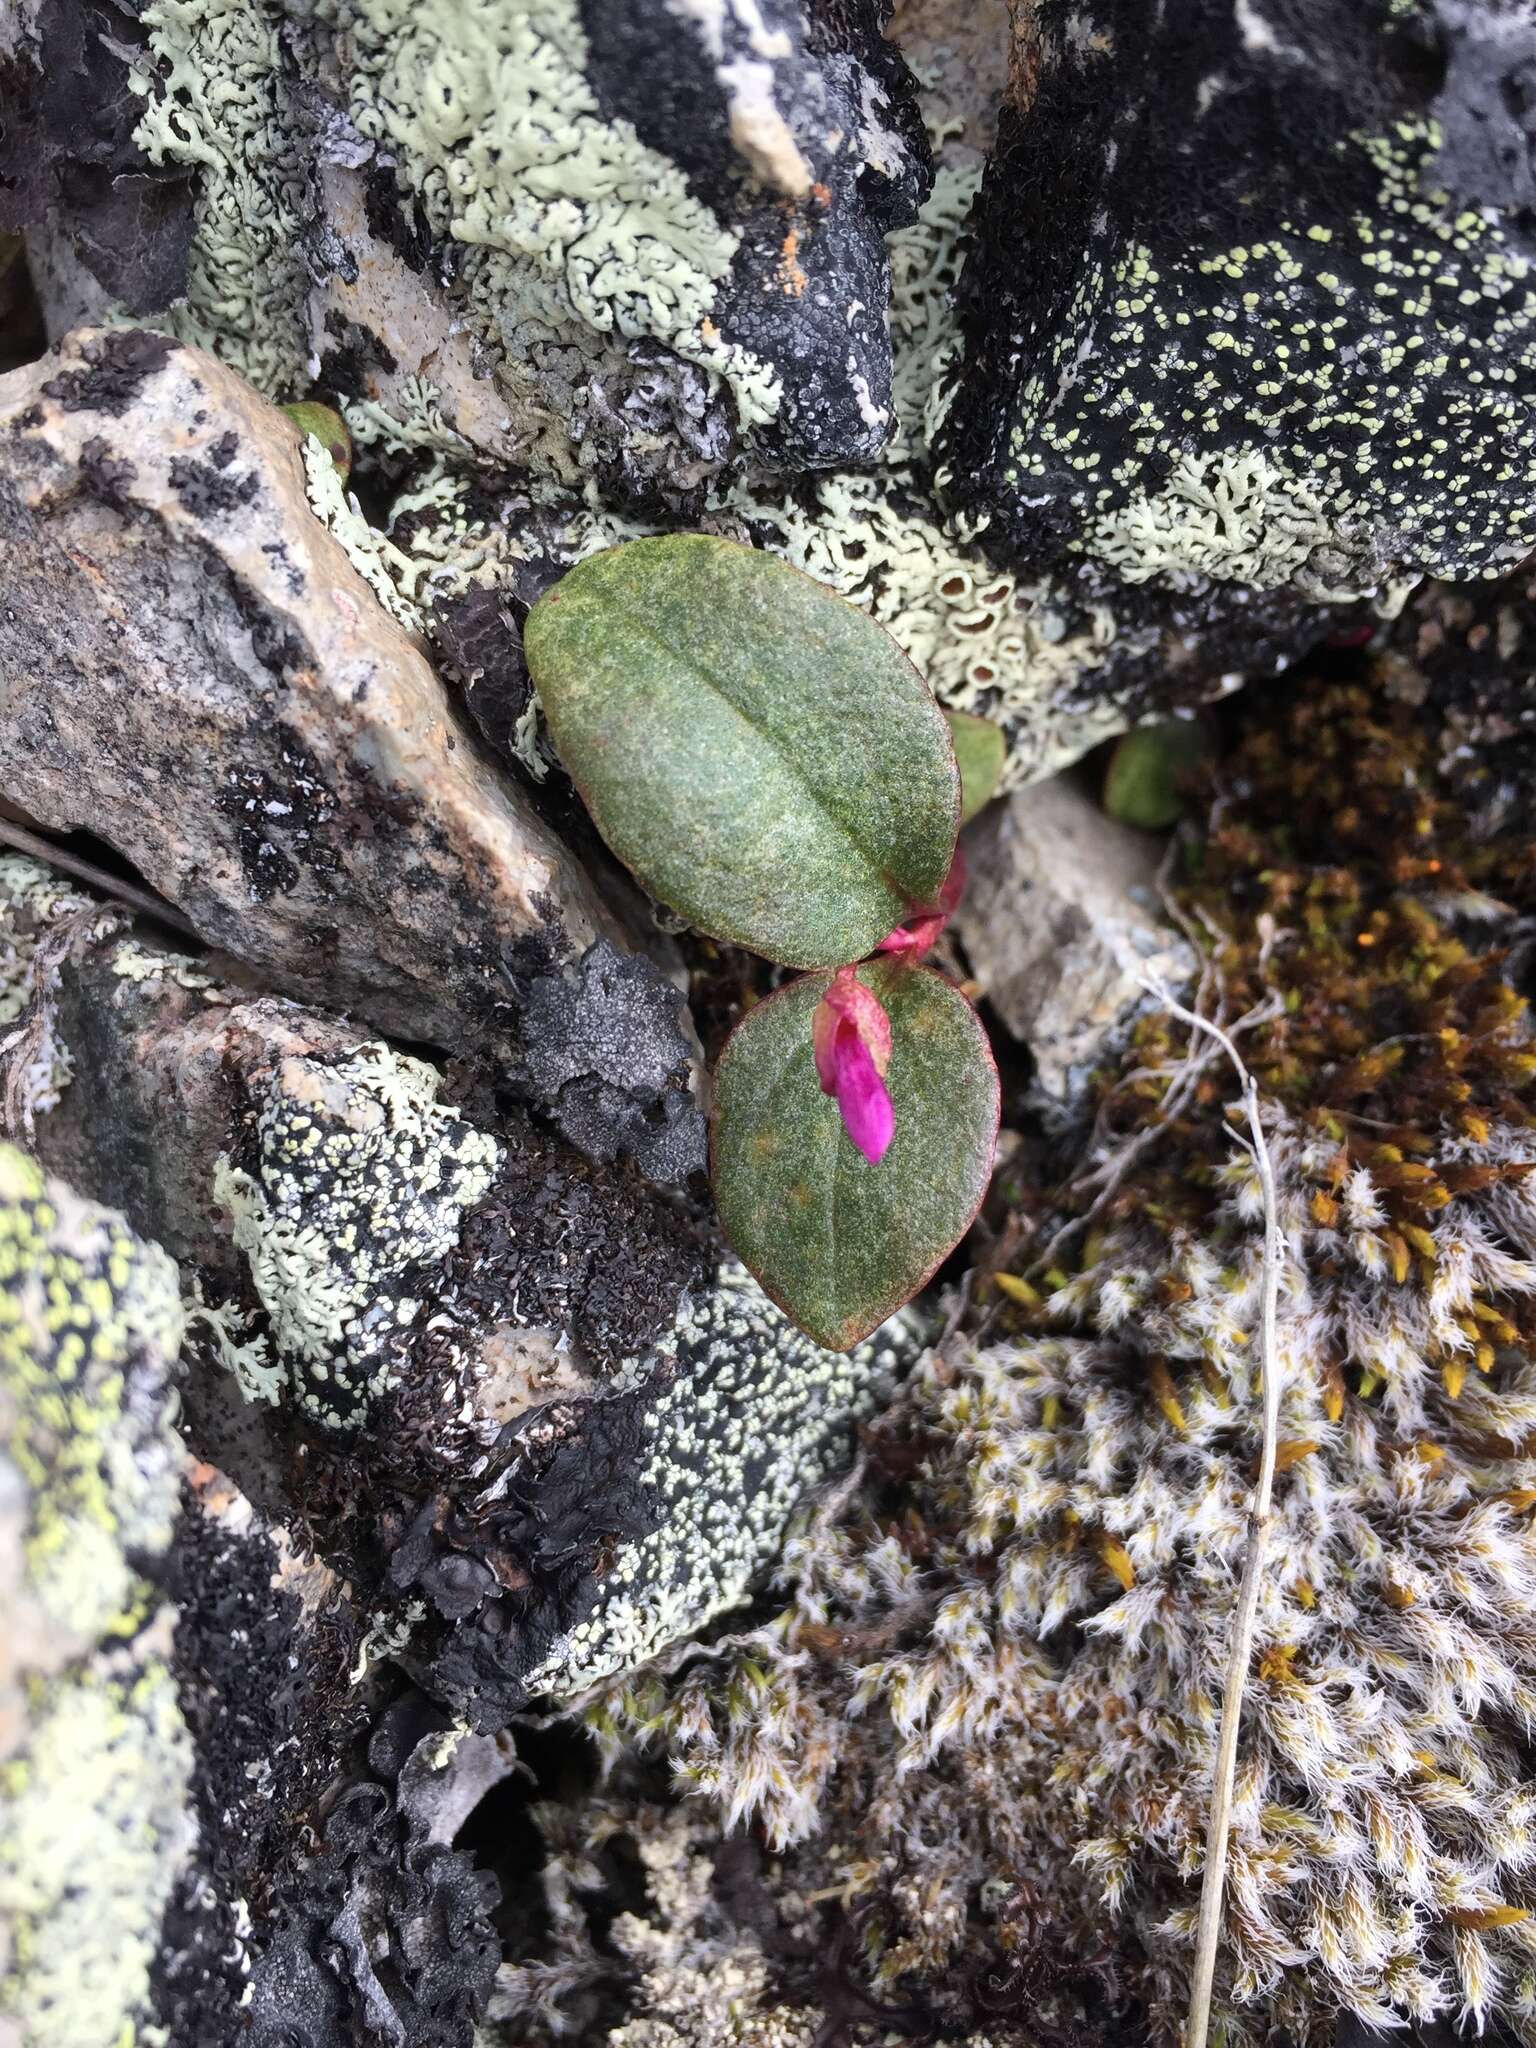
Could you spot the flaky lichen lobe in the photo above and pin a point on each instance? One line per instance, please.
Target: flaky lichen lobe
(359, 1177)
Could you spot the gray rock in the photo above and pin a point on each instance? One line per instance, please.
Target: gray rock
(362, 1241)
(191, 667)
(1060, 923)
(501, 1387)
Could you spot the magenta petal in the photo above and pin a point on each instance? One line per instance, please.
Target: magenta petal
(862, 1098)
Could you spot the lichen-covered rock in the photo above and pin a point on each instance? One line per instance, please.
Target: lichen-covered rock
(94, 1754)
(459, 326)
(745, 1417)
(1062, 926)
(354, 1236)
(220, 694)
(1204, 365)
(494, 1382)
(324, 1902)
(567, 235)
(1468, 653)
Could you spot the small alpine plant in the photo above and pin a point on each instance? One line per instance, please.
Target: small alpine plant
(769, 765)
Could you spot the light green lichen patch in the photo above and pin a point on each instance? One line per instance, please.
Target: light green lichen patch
(215, 101)
(94, 1759)
(411, 424)
(360, 1176)
(1237, 517)
(136, 963)
(753, 1416)
(89, 1318)
(93, 1830)
(391, 575)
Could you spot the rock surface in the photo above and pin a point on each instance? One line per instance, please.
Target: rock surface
(1060, 922)
(710, 348)
(191, 667)
(636, 224)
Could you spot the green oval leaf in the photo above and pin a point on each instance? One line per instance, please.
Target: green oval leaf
(837, 1243)
(757, 750)
(1145, 780)
(981, 749)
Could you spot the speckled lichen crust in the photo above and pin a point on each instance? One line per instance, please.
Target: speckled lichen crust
(1361, 388)
(216, 101)
(751, 1416)
(89, 1318)
(1310, 366)
(358, 1177)
(92, 1834)
(94, 1759)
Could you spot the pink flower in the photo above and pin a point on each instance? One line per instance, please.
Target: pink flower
(851, 1039)
(915, 938)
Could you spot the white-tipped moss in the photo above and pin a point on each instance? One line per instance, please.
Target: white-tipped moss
(1048, 1627)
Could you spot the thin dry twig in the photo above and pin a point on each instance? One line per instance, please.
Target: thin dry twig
(1183, 1079)
(1240, 1654)
(67, 863)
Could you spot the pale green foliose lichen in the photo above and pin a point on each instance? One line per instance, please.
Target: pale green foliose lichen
(359, 1176)
(215, 101)
(389, 574)
(566, 217)
(573, 234)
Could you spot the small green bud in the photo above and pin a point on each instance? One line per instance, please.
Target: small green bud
(328, 428)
